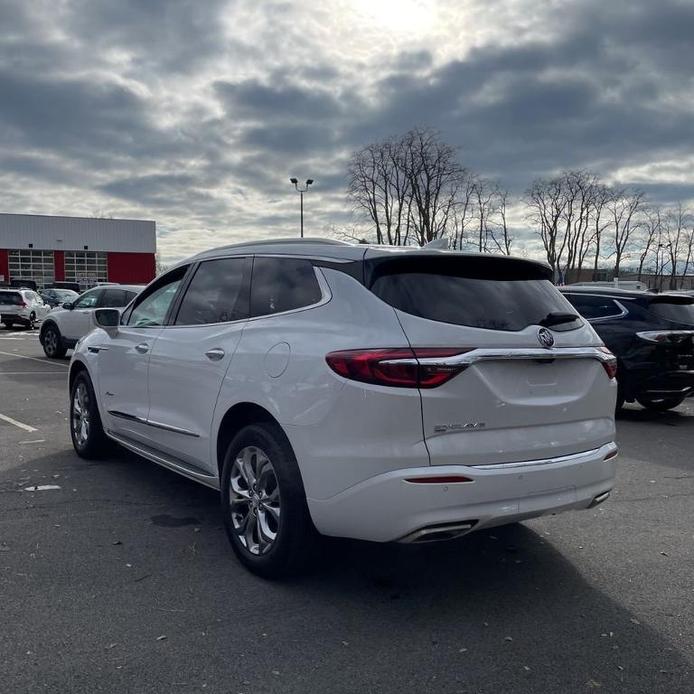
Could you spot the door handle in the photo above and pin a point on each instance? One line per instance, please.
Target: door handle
(142, 348)
(215, 354)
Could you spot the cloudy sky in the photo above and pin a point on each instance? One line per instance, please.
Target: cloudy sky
(196, 112)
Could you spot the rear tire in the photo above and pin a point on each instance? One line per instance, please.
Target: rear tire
(87, 433)
(659, 404)
(264, 503)
(52, 343)
(31, 325)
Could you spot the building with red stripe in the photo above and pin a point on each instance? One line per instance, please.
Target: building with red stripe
(87, 251)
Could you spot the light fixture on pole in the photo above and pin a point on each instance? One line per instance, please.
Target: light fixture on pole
(301, 192)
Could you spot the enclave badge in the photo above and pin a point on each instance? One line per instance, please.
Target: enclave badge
(545, 338)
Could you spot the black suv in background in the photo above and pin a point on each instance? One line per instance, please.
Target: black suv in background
(651, 336)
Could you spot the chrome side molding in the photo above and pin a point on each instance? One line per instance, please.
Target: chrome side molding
(150, 423)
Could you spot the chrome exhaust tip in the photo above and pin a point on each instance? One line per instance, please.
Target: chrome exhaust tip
(599, 499)
(436, 533)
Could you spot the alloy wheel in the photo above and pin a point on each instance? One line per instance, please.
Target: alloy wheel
(50, 341)
(80, 414)
(254, 500)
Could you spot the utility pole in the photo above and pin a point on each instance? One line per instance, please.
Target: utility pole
(301, 192)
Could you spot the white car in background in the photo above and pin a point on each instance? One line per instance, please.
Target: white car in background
(66, 324)
(21, 307)
(374, 393)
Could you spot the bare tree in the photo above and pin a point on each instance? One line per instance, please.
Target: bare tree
(499, 232)
(463, 213)
(546, 202)
(435, 177)
(580, 190)
(412, 188)
(678, 242)
(378, 186)
(623, 208)
(602, 196)
(649, 236)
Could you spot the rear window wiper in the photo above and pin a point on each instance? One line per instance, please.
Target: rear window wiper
(555, 318)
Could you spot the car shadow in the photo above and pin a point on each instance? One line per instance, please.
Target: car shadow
(636, 413)
(501, 610)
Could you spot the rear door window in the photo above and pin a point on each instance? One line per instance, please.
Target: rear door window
(283, 284)
(218, 293)
(592, 307)
(114, 298)
(473, 292)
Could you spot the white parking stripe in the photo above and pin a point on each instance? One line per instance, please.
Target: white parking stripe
(21, 425)
(45, 362)
(30, 373)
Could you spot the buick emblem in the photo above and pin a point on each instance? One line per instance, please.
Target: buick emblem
(545, 338)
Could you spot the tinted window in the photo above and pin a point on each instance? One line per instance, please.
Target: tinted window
(115, 298)
(507, 302)
(14, 298)
(678, 313)
(595, 306)
(88, 299)
(282, 284)
(218, 293)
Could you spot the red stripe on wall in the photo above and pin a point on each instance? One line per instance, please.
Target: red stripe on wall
(5, 265)
(131, 268)
(59, 265)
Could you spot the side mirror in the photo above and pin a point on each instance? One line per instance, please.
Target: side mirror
(108, 319)
(68, 305)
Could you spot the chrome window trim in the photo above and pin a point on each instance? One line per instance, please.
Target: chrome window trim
(616, 316)
(326, 296)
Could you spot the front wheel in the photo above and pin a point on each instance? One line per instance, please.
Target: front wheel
(659, 404)
(264, 504)
(52, 343)
(86, 430)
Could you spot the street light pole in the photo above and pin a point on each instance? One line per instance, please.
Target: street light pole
(301, 192)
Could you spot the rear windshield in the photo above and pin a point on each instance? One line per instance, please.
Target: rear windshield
(504, 299)
(678, 313)
(10, 298)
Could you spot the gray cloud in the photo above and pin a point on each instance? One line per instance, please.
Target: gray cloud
(196, 113)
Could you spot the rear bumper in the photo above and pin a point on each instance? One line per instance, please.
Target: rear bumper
(14, 318)
(653, 383)
(387, 507)
(669, 384)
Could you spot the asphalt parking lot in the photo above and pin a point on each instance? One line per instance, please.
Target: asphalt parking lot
(119, 578)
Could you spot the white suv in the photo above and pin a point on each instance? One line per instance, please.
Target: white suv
(66, 324)
(366, 392)
(21, 306)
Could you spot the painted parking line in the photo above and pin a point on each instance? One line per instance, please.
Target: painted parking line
(21, 425)
(45, 362)
(31, 373)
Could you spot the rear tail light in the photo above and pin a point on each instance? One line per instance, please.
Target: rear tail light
(23, 304)
(662, 336)
(609, 363)
(398, 367)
